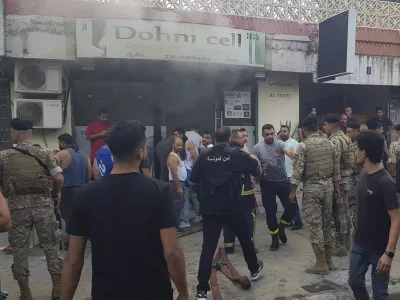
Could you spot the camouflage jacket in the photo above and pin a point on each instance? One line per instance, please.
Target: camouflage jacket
(31, 200)
(300, 161)
(345, 150)
(394, 153)
(357, 167)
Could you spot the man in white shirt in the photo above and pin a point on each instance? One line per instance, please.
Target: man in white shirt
(207, 140)
(193, 146)
(292, 144)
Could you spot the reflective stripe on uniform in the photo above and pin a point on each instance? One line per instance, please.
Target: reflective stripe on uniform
(274, 232)
(229, 245)
(253, 214)
(284, 222)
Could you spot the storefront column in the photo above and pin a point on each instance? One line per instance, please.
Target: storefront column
(278, 101)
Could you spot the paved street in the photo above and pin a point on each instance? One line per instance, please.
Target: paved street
(283, 278)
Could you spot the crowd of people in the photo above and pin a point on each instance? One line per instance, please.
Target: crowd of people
(339, 163)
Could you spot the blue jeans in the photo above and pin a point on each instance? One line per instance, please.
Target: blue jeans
(178, 201)
(191, 197)
(360, 260)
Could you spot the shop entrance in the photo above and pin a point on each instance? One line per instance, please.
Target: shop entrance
(160, 94)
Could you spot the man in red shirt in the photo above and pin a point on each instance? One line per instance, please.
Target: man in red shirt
(97, 131)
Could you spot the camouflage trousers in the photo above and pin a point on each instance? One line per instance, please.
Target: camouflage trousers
(353, 199)
(341, 213)
(317, 210)
(43, 219)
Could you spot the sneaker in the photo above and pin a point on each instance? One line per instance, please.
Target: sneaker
(9, 250)
(198, 219)
(201, 295)
(256, 275)
(179, 230)
(237, 243)
(297, 226)
(184, 224)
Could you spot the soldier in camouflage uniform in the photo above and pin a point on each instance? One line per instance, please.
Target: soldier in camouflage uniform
(352, 131)
(28, 173)
(394, 152)
(317, 165)
(341, 210)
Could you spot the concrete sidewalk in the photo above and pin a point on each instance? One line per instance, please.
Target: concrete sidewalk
(283, 279)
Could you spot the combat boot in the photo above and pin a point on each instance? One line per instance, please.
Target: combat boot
(339, 249)
(320, 267)
(282, 233)
(25, 290)
(328, 259)
(56, 292)
(275, 242)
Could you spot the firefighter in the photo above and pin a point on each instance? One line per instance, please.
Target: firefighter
(247, 199)
(218, 171)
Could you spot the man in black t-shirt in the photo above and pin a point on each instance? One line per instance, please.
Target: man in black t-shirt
(218, 171)
(129, 209)
(378, 220)
(387, 124)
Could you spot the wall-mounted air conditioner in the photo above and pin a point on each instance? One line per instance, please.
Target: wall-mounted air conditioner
(38, 77)
(43, 113)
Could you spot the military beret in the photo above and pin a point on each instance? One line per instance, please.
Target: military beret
(397, 127)
(332, 119)
(309, 121)
(353, 125)
(18, 124)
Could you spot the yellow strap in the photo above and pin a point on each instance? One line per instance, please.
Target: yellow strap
(274, 232)
(247, 193)
(284, 222)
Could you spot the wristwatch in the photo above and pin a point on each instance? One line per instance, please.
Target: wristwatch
(389, 253)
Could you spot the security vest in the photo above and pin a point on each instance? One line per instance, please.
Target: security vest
(319, 164)
(24, 175)
(347, 158)
(245, 182)
(217, 167)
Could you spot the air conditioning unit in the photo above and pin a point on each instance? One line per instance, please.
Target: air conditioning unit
(43, 113)
(38, 77)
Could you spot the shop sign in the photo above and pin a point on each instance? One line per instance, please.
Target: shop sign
(237, 105)
(158, 40)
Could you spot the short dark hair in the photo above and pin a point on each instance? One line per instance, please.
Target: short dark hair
(372, 143)
(267, 127)
(124, 138)
(310, 123)
(103, 111)
(354, 125)
(223, 135)
(285, 126)
(332, 119)
(242, 129)
(180, 130)
(66, 138)
(347, 106)
(235, 133)
(343, 114)
(397, 127)
(375, 126)
(207, 132)
(379, 108)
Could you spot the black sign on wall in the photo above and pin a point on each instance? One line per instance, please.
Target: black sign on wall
(337, 46)
(5, 115)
